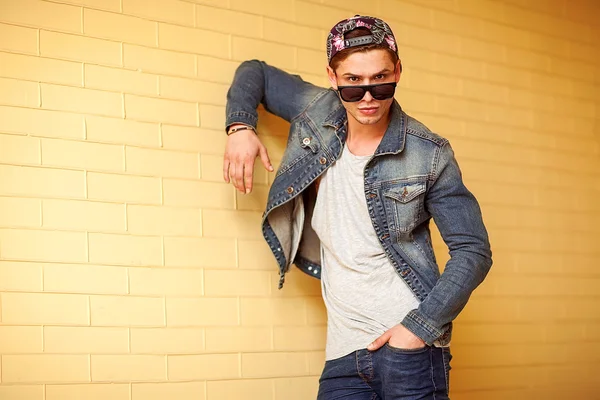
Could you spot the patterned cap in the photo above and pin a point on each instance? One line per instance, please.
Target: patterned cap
(380, 34)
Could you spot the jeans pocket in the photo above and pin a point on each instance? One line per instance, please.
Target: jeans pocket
(399, 350)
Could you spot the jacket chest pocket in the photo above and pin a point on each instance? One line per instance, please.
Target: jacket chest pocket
(404, 206)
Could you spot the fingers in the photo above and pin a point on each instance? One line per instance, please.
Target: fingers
(226, 169)
(380, 341)
(238, 176)
(248, 170)
(264, 157)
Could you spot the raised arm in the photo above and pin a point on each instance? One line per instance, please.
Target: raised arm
(282, 94)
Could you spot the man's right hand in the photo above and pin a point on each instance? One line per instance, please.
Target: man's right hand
(240, 153)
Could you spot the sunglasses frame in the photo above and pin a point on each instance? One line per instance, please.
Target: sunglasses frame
(367, 88)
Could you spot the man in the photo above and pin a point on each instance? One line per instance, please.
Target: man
(351, 204)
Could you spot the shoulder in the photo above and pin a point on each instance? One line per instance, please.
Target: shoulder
(416, 130)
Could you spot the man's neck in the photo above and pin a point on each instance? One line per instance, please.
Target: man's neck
(364, 139)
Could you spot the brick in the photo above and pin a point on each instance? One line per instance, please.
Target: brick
(209, 367)
(434, 83)
(230, 224)
(154, 281)
(528, 59)
(552, 45)
(40, 69)
(120, 80)
(316, 362)
(127, 368)
(167, 340)
(83, 215)
(527, 99)
(481, 311)
(467, 109)
(193, 90)
(123, 188)
(88, 391)
(79, 48)
(211, 167)
(125, 249)
(428, 39)
(45, 368)
(255, 201)
(299, 338)
(120, 131)
(551, 84)
(279, 9)
(237, 283)
(215, 70)
(80, 100)
(85, 279)
(484, 50)
(414, 102)
(18, 39)
(32, 245)
(19, 93)
(44, 308)
(572, 69)
(202, 312)
(21, 339)
(85, 340)
(297, 388)
(227, 340)
(199, 140)
(162, 163)
(161, 110)
(211, 18)
(311, 61)
(255, 254)
(127, 311)
(270, 311)
(315, 15)
(22, 392)
(267, 365)
(163, 390)
(183, 193)
(121, 28)
(193, 40)
(46, 15)
(199, 253)
(20, 276)
(19, 150)
(510, 116)
(463, 25)
(275, 30)
(166, 221)
(159, 61)
(20, 212)
(41, 122)
(81, 155)
(315, 311)
(212, 117)
(160, 10)
(111, 5)
(239, 389)
(275, 54)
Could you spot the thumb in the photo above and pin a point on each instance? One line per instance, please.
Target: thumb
(380, 341)
(264, 157)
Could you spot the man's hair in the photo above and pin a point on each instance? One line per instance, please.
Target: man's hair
(358, 32)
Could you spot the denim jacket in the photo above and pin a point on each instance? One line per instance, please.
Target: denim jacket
(411, 178)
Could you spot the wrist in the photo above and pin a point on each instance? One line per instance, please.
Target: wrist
(239, 127)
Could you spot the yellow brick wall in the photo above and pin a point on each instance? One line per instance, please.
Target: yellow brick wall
(130, 271)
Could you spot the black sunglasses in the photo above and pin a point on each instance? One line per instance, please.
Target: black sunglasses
(380, 91)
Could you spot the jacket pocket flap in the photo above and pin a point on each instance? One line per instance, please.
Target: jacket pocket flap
(406, 193)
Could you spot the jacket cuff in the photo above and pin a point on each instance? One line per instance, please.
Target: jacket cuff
(415, 323)
(240, 117)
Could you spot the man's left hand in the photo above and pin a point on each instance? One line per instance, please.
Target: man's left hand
(398, 337)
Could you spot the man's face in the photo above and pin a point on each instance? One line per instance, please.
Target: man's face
(366, 68)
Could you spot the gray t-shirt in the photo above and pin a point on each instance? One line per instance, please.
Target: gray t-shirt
(363, 294)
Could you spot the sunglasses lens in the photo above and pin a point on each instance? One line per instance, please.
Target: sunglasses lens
(352, 93)
(382, 92)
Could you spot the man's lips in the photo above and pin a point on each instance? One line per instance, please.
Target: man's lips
(368, 110)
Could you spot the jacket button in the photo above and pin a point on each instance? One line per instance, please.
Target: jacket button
(290, 190)
(323, 160)
(306, 141)
(372, 195)
(383, 237)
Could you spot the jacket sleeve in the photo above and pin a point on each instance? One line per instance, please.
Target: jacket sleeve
(458, 217)
(256, 82)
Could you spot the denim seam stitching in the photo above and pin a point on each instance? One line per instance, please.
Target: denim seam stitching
(433, 372)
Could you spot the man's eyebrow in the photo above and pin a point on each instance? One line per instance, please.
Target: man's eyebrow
(383, 71)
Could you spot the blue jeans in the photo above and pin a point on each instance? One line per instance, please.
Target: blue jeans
(388, 373)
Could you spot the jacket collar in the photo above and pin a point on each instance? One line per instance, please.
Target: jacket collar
(395, 136)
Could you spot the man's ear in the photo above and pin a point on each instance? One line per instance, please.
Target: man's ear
(332, 77)
(398, 70)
